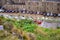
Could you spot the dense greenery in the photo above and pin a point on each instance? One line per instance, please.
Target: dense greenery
(28, 26)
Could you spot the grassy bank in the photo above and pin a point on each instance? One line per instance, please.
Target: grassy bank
(28, 29)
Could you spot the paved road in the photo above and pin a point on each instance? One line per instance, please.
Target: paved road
(17, 14)
(31, 15)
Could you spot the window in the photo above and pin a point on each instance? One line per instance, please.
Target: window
(28, 7)
(47, 3)
(29, 3)
(58, 4)
(37, 3)
(58, 9)
(47, 8)
(52, 8)
(37, 7)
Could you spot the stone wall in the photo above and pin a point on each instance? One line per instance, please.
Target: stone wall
(51, 25)
(37, 6)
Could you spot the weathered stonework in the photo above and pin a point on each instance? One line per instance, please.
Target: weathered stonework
(40, 5)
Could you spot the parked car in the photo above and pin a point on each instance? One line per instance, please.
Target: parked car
(8, 11)
(51, 14)
(55, 15)
(41, 13)
(45, 14)
(30, 12)
(38, 12)
(59, 15)
(1, 10)
(23, 11)
(35, 12)
(48, 14)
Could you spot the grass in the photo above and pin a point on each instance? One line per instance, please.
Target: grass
(28, 26)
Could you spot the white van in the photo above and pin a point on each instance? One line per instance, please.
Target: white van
(1, 10)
